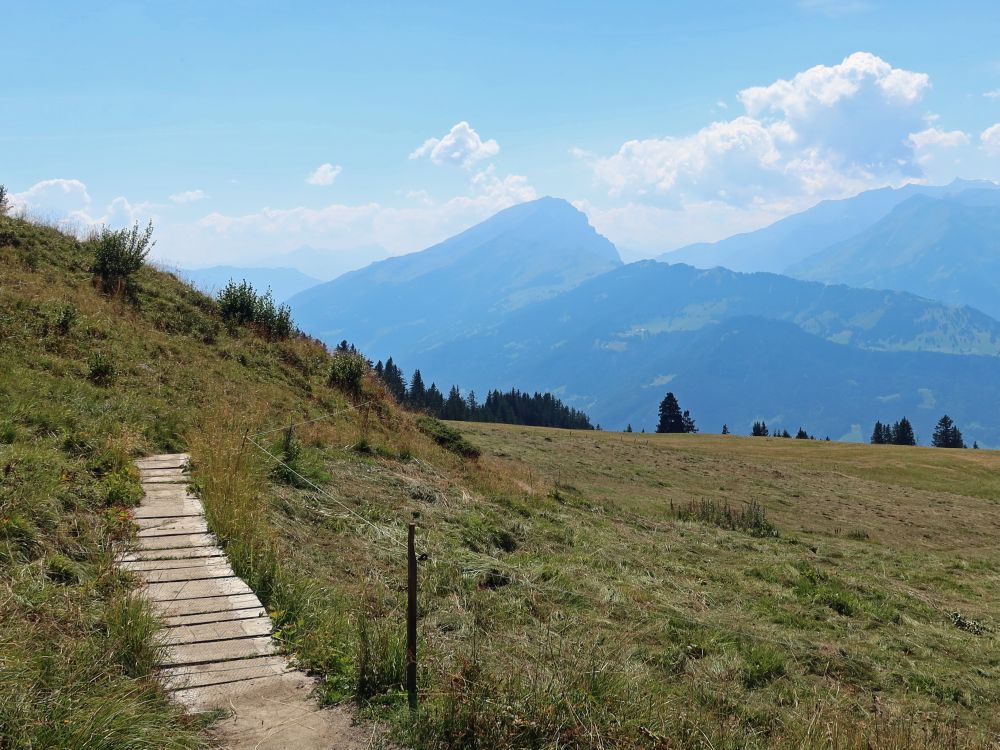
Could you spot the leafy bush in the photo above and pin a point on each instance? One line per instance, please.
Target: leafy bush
(240, 304)
(447, 437)
(347, 372)
(102, 369)
(119, 254)
(4, 201)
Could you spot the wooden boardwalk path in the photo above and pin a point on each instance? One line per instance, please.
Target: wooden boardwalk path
(219, 653)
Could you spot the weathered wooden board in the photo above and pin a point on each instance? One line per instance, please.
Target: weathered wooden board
(175, 607)
(202, 653)
(160, 592)
(217, 631)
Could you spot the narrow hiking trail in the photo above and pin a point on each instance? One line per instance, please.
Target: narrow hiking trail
(219, 651)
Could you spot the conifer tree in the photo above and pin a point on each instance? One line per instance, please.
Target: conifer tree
(759, 429)
(902, 433)
(801, 435)
(418, 393)
(725, 429)
(671, 416)
(947, 434)
(878, 434)
(628, 427)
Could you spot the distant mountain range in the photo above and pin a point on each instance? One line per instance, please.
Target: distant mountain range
(945, 248)
(777, 247)
(534, 298)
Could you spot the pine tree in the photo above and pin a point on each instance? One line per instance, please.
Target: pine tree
(688, 421)
(759, 429)
(393, 378)
(628, 427)
(878, 434)
(725, 429)
(785, 434)
(947, 435)
(902, 433)
(975, 445)
(418, 393)
(801, 435)
(671, 417)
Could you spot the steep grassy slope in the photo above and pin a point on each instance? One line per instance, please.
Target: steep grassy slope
(87, 383)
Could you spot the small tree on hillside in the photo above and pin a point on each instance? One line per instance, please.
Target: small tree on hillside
(725, 429)
(759, 429)
(878, 435)
(672, 419)
(4, 201)
(801, 434)
(628, 427)
(947, 435)
(119, 254)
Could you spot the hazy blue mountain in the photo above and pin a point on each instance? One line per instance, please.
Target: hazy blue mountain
(414, 302)
(945, 248)
(794, 238)
(283, 282)
(615, 344)
(325, 265)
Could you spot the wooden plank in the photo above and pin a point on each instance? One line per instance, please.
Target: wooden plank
(173, 509)
(147, 473)
(177, 607)
(164, 522)
(224, 630)
(174, 526)
(178, 541)
(218, 673)
(214, 651)
(248, 613)
(138, 566)
(178, 458)
(159, 592)
(179, 478)
(219, 569)
(181, 553)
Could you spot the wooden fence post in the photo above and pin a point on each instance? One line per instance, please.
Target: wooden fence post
(411, 619)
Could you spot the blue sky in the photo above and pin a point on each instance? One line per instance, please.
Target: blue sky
(247, 129)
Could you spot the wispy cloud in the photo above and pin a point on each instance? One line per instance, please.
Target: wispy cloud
(189, 196)
(324, 174)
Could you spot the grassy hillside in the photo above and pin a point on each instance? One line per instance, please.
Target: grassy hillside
(580, 590)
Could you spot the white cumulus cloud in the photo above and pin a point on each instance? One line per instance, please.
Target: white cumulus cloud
(188, 196)
(991, 139)
(826, 132)
(68, 204)
(461, 145)
(324, 174)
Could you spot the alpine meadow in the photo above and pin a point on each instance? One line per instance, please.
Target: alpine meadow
(536, 377)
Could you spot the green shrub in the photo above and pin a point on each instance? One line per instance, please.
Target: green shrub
(347, 373)
(4, 201)
(102, 369)
(240, 304)
(447, 437)
(751, 518)
(122, 488)
(119, 254)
